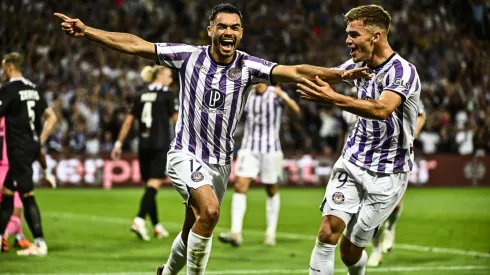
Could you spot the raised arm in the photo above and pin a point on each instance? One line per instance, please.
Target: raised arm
(296, 74)
(121, 42)
(289, 101)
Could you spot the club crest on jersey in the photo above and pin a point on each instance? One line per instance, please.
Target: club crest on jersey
(234, 73)
(379, 78)
(197, 176)
(338, 198)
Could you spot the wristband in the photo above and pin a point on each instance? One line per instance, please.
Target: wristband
(118, 144)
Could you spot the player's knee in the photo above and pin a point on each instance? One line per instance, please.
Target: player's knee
(271, 190)
(241, 185)
(327, 236)
(154, 183)
(7, 192)
(349, 252)
(209, 216)
(27, 194)
(330, 230)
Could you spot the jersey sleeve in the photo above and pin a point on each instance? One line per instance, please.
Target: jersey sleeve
(172, 104)
(401, 79)
(348, 65)
(136, 107)
(173, 55)
(5, 99)
(260, 69)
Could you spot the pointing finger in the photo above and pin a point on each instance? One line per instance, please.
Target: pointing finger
(62, 16)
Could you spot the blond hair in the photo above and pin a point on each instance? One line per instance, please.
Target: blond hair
(149, 73)
(370, 16)
(15, 59)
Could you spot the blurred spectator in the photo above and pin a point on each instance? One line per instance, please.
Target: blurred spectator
(448, 42)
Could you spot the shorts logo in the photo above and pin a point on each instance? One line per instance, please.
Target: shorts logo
(234, 73)
(338, 198)
(197, 176)
(267, 63)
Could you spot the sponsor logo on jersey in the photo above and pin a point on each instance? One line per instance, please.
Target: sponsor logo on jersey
(214, 100)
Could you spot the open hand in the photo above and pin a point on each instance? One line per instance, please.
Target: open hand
(320, 91)
(357, 73)
(71, 27)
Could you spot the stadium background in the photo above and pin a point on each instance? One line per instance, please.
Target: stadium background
(90, 88)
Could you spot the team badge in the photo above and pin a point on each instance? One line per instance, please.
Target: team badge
(379, 78)
(197, 176)
(234, 73)
(338, 198)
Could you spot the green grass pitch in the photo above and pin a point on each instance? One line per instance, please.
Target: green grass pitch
(441, 231)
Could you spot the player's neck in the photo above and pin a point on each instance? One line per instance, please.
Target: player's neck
(380, 55)
(219, 59)
(15, 75)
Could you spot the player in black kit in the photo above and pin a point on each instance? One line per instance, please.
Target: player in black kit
(29, 121)
(153, 107)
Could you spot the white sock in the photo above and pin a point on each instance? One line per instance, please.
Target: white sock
(238, 208)
(272, 210)
(39, 241)
(322, 259)
(359, 268)
(393, 218)
(198, 251)
(178, 257)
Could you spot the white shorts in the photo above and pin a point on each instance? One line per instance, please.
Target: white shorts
(269, 165)
(187, 171)
(362, 199)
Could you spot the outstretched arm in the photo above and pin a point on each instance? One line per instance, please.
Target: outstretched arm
(121, 42)
(296, 73)
(379, 109)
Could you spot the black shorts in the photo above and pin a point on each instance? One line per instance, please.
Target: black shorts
(153, 164)
(19, 178)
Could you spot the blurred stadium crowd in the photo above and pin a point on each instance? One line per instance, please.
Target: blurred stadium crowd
(91, 88)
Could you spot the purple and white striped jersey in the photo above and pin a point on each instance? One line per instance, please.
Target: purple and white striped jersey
(212, 97)
(384, 146)
(263, 121)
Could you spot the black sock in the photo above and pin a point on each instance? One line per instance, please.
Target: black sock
(33, 217)
(6, 210)
(148, 203)
(154, 210)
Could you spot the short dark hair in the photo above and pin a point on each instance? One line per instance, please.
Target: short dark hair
(15, 59)
(226, 8)
(370, 15)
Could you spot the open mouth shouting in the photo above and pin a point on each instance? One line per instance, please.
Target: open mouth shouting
(353, 51)
(227, 44)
